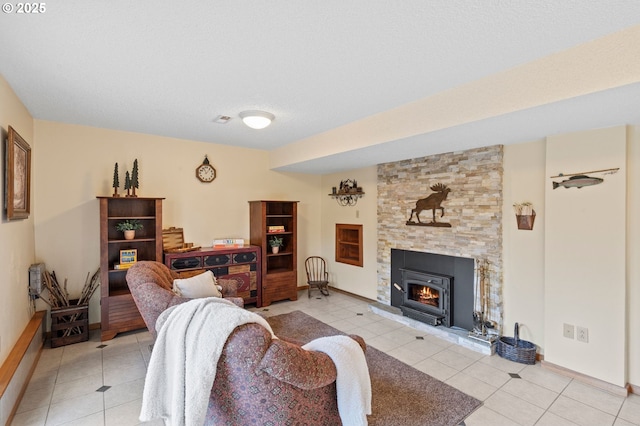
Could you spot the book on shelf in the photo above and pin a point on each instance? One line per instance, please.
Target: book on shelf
(278, 228)
(123, 265)
(228, 243)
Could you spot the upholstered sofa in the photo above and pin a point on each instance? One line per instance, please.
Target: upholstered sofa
(259, 380)
(151, 286)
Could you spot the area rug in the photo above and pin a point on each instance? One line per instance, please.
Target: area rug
(401, 395)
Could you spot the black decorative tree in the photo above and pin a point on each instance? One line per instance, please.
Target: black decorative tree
(134, 178)
(116, 181)
(127, 183)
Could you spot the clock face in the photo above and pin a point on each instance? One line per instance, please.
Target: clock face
(206, 173)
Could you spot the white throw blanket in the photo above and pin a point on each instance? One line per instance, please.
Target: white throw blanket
(353, 384)
(185, 356)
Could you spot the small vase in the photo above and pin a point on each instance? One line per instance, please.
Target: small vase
(130, 234)
(275, 249)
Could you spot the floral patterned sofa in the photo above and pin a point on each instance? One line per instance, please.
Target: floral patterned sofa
(259, 380)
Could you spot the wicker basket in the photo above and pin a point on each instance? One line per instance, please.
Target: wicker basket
(514, 349)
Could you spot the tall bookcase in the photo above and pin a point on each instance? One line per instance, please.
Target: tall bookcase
(279, 270)
(118, 310)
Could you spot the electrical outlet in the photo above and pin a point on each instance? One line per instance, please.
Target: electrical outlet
(583, 334)
(568, 331)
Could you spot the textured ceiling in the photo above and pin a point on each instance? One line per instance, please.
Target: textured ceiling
(169, 68)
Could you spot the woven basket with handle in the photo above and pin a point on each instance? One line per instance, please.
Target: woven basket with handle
(514, 349)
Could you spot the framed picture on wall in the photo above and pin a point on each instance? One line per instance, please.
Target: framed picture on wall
(18, 177)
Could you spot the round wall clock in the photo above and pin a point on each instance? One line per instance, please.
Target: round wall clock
(205, 171)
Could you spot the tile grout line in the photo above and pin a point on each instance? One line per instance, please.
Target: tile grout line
(104, 402)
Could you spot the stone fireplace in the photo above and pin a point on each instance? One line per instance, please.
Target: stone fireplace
(474, 210)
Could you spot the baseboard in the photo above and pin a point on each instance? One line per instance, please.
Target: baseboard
(635, 389)
(17, 369)
(601, 384)
(337, 290)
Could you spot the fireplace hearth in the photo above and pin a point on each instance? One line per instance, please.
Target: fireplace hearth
(426, 297)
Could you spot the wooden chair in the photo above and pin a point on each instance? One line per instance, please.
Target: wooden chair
(317, 275)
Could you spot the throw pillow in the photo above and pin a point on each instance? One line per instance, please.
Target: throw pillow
(203, 285)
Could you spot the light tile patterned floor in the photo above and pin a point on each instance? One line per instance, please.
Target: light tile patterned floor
(86, 384)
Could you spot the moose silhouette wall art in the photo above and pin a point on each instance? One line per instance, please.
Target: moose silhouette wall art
(433, 202)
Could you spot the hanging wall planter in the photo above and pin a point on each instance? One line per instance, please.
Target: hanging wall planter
(526, 221)
(525, 215)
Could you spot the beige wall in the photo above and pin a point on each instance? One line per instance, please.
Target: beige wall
(75, 164)
(523, 250)
(633, 254)
(16, 237)
(354, 279)
(585, 255)
(525, 178)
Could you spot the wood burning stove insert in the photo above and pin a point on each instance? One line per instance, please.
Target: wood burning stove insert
(427, 296)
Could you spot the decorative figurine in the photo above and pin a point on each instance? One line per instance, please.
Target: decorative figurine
(432, 202)
(127, 183)
(134, 178)
(116, 181)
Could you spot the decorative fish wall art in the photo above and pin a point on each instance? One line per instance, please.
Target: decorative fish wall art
(578, 180)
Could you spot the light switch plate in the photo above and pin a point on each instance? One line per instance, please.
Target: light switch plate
(568, 331)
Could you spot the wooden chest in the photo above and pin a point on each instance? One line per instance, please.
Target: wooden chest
(241, 264)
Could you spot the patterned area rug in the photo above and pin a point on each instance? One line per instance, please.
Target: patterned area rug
(401, 395)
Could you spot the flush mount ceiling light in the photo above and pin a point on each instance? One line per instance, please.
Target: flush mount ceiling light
(257, 119)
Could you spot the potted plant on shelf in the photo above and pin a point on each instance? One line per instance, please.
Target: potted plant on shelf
(275, 243)
(129, 227)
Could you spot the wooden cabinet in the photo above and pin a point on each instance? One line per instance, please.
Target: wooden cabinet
(118, 310)
(279, 270)
(349, 244)
(241, 264)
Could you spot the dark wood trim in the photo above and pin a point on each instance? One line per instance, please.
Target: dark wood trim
(12, 362)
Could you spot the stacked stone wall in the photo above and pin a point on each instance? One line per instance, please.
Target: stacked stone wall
(473, 208)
